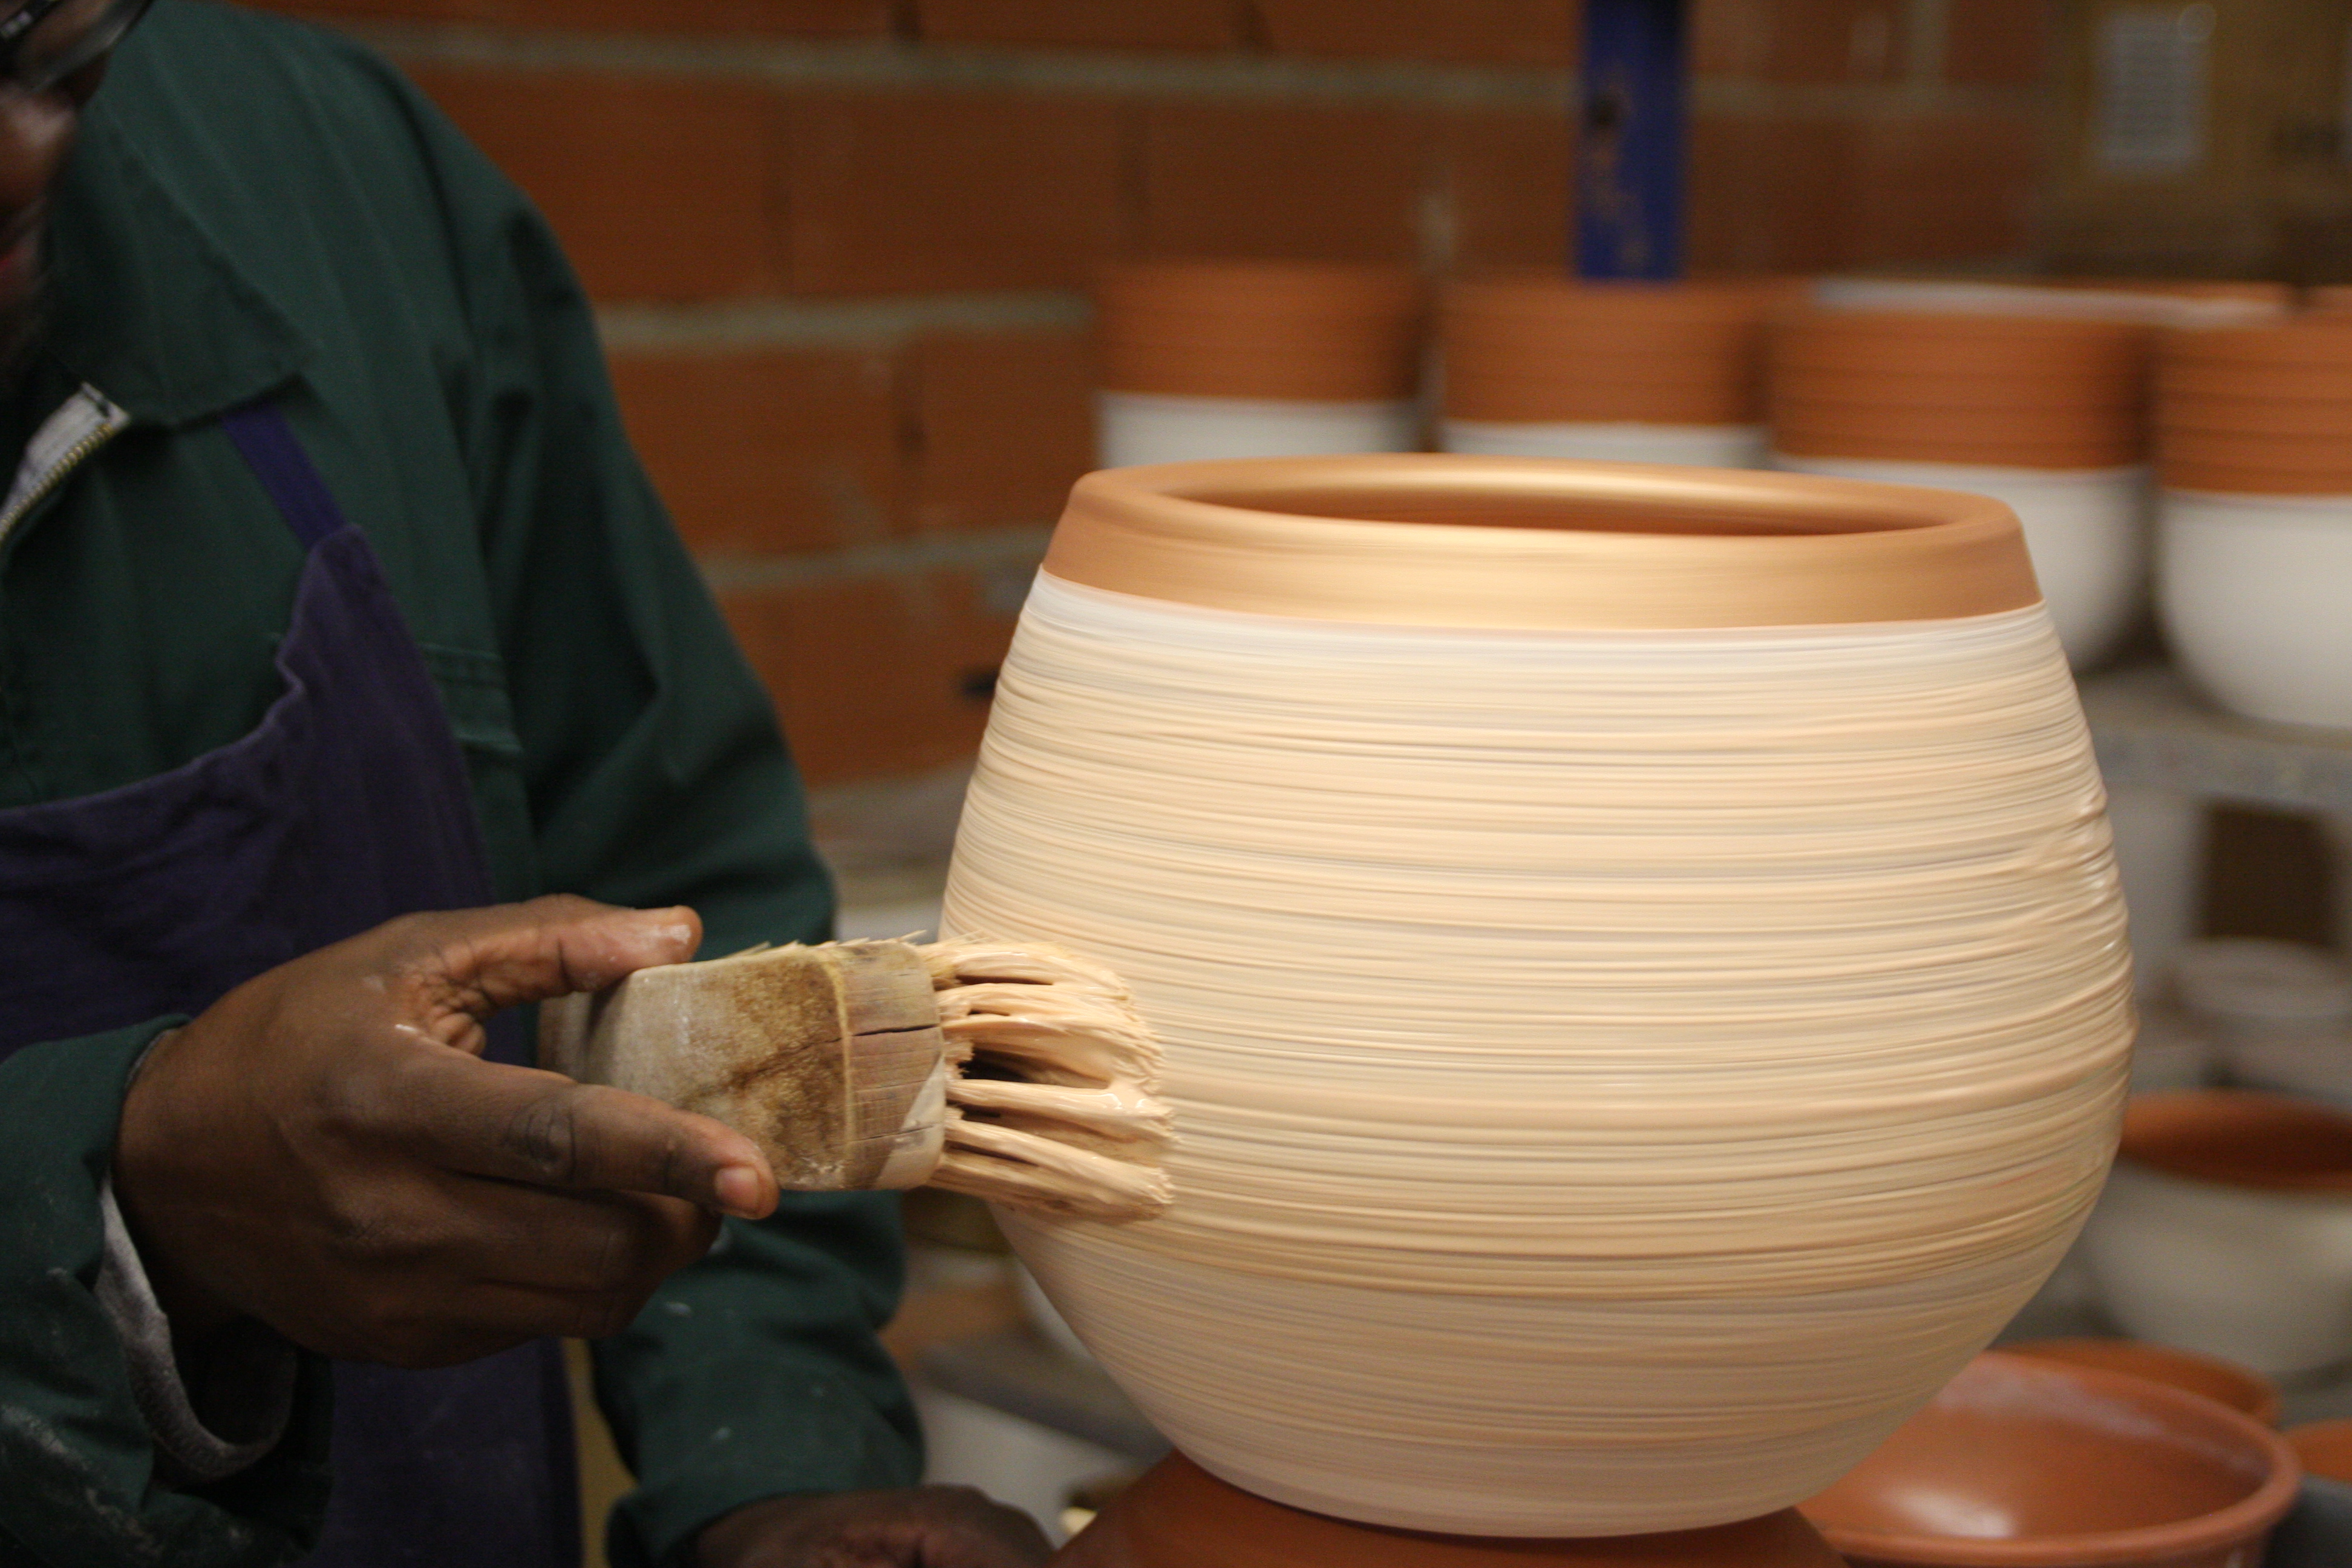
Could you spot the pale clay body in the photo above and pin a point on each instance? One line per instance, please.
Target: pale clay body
(1621, 1073)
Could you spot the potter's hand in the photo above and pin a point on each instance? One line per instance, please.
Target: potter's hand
(323, 1149)
(914, 1527)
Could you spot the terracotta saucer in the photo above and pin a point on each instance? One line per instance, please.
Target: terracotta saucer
(2242, 1388)
(1179, 1516)
(2023, 1463)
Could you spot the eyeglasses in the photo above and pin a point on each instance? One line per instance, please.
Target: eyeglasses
(46, 41)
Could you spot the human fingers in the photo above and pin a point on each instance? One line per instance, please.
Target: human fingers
(470, 963)
(520, 1125)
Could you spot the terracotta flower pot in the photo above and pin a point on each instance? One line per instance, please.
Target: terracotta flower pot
(2178, 379)
(1179, 1516)
(2227, 1228)
(1267, 330)
(1506, 854)
(2242, 1388)
(2025, 1463)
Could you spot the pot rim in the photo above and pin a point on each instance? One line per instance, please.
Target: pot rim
(1596, 546)
(2259, 1510)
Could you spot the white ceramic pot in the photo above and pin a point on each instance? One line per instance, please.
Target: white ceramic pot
(1640, 1008)
(1134, 428)
(2087, 531)
(2255, 594)
(1692, 446)
(2258, 1277)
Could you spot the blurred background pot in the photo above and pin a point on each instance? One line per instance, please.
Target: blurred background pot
(2022, 1462)
(1241, 359)
(1645, 372)
(2226, 1227)
(2042, 411)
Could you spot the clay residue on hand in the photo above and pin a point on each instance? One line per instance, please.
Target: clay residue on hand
(1055, 1108)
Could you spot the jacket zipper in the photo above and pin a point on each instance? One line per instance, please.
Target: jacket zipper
(82, 424)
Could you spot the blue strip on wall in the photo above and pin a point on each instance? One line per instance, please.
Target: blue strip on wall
(1629, 199)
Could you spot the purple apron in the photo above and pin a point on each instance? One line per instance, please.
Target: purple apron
(348, 805)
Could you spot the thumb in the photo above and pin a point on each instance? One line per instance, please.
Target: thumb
(477, 961)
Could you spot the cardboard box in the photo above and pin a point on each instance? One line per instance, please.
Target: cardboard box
(2202, 138)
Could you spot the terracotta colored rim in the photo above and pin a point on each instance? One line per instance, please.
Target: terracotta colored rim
(2241, 1138)
(1497, 543)
(2328, 297)
(2179, 1541)
(2318, 339)
(1286, 331)
(2242, 1388)
(2324, 1447)
(2017, 452)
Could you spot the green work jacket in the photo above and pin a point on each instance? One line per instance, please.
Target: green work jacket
(255, 209)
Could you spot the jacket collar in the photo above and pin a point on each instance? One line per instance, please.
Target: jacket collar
(144, 304)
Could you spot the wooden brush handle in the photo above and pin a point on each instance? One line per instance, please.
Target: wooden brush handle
(830, 1058)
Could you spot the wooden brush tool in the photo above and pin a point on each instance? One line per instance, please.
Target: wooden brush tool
(1019, 1074)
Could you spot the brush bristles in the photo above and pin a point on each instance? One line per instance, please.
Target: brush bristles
(1056, 1107)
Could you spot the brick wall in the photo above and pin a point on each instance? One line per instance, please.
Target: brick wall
(839, 244)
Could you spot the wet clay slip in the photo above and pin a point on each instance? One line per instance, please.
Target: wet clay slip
(2024, 1463)
(1179, 1516)
(1636, 951)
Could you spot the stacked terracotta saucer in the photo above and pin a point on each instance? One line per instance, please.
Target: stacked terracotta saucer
(1540, 366)
(1257, 359)
(2043, 412)
(2255, 443)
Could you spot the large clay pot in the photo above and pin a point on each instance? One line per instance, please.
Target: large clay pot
(1636, 951)
(1659, 372)
(1239, 359)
